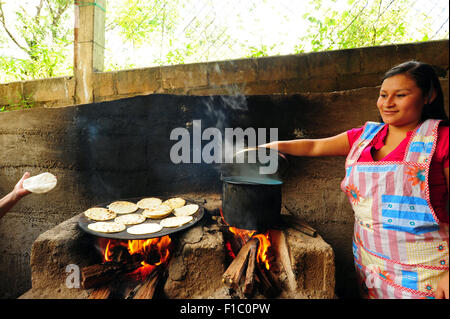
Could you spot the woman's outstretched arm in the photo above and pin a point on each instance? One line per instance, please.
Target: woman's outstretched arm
(337, 145)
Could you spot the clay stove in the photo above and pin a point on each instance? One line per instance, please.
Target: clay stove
(302, 266)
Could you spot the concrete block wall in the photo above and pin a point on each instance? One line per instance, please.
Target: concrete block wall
(310, 72)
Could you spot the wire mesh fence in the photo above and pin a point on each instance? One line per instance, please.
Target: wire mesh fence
(208, 30)
(143, 33)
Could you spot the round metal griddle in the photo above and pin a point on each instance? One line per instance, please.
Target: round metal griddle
(83, 222)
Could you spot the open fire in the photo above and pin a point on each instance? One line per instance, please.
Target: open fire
(129, 268)
(262, 255)
(152, 253)
(253, 261)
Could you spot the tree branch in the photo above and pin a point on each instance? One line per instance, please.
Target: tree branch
(3, 22)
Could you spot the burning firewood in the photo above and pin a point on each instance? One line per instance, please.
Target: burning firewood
(255, 257)
(101, 293)
(234, 272)
(250, 273)
(99, 274)
(267, 283)
(147, 289)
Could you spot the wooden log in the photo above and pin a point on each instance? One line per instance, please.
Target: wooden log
(267, 284)
(101, 293)
(234, 272)
(296, 223)
(100, 274)
(249, 282)
(148, 288)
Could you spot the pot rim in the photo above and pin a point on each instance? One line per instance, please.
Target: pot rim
(247, 180)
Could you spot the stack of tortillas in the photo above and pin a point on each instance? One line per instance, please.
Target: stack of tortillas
(175, 202)
(149, 202)
(186, 210)
(41, 183)
(157, 212)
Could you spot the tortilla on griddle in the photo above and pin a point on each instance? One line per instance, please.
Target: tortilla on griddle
(143, 229)
(130, 219)
(177, 221)
(175, 202)
(186, 210)
(149, 202)
(123, 207)
(99, 214)
(41, 183)
(157, 212)
(107, 227)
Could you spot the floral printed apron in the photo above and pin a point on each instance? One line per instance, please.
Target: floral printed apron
(399, 246)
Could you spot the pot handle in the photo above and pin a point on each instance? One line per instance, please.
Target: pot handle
(280, 154)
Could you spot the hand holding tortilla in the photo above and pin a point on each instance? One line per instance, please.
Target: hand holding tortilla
(8, 201)
(41, 183)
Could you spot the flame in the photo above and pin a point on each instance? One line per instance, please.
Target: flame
(107, 254)
(160, 244)
(264, 243)
(138, 246)
(243, 234)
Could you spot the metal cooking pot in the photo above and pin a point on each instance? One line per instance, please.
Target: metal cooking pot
(251, 200)
(251, 203)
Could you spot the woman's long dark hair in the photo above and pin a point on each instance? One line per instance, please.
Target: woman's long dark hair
(427, 80)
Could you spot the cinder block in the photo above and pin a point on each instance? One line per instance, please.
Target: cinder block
(232, 71)
(139, 81)
(184, 76)
(282, 68)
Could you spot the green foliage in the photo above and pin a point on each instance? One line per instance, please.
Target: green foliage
(363, 23)
(43, 39)
(25, 102)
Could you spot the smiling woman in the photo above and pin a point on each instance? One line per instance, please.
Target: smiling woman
(397, 184)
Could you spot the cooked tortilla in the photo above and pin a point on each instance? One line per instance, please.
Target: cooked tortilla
(41, 183)
(177, 221)
(186, 210)
(157, 212)
(99, 214)
(123, 207)
(130, 219)
(149, 202)
(175, 202)
(143, 229)
(107, 227)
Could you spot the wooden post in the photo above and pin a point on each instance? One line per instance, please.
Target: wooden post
(89, 47)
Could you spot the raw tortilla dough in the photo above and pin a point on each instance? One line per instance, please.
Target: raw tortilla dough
(41, 183)
(144, 229)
